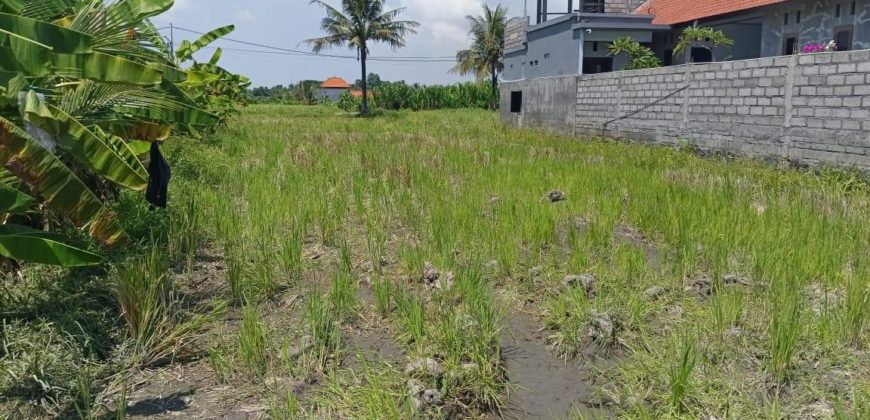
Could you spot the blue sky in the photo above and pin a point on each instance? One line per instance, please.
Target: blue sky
(286, 23)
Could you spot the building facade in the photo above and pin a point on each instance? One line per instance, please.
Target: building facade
(576, 41)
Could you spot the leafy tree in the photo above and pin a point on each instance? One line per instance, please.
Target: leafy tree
(374, 81)
(701, 37)
(639, 56)
(358, 24)
(485, 57)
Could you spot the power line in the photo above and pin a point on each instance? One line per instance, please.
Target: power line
(295, 52)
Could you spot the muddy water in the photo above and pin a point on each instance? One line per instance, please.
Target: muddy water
(545, 386)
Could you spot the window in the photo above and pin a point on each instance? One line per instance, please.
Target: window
(785, 22)
(797, 17)
(547, 56)
(593, 65)
(701, 55)
(516, 102)
(852, 12)
(592, 6)
(595, 46)
(843, 38)
(837, 10)
(668, 59)
(789, 46)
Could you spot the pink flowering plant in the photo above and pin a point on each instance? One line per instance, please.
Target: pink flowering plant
(817, 48)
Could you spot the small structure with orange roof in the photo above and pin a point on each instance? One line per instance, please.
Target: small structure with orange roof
(332, 88)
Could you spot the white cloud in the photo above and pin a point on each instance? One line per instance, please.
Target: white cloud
(444, 20)
(245, 16)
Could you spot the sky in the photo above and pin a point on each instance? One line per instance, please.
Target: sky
(286, 23)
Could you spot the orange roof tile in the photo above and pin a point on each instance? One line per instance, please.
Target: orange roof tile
(669, 12)
(336, 83)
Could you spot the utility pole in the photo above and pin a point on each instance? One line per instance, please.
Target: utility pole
(172, 40)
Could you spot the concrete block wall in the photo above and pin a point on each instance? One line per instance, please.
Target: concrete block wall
(813, 109)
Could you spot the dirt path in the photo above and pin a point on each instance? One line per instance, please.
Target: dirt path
(546, 386)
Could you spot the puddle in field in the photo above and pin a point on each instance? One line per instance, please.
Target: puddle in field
(546, 386)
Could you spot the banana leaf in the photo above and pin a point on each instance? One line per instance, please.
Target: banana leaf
(56, 38)
(107, 155)
(14, 201)
(188, 49)
(104, 68)
(49, 179)
(31, 245)
(129, 13)
(140, 147)
(216, 56)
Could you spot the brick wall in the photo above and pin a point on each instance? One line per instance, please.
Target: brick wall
(621, 6)
(813, 109)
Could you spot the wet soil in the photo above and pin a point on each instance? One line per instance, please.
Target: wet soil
(544, 385)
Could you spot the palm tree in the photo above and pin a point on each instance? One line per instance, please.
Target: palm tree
(357, 24)
(485, 58)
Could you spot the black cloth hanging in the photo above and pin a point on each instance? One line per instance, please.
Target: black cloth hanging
(158, 178)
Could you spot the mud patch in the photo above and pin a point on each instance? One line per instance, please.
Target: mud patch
(545, 386)
(187, 391)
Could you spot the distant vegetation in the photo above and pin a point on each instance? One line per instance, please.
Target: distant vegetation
(384, 95)
(359, 24)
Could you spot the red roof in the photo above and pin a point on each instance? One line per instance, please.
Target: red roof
(670, 12)
(335, 83)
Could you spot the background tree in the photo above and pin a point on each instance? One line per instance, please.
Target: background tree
(485, 57)
(357, 24)
(701, 37)
(374, 81)
(639, 56)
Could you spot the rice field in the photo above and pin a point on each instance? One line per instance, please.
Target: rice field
(439, 265)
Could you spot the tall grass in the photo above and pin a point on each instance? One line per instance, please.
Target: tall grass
(160, 324)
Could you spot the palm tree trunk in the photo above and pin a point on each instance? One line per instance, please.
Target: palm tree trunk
(364, 110)
(494, 99)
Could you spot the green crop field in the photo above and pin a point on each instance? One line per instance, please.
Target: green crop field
(437, 264)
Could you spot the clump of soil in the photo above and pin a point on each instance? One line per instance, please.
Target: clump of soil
(586, 281)
(433, 280)
(556, 196)
(704, 286)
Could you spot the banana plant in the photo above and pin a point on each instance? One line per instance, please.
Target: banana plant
(85, 86)
(25, 243)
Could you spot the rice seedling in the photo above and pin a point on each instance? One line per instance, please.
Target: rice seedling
(287, 407)
(383, 291)
(343, 296)
(855, 307)
(411, 321)
(681, 374)
(291, 253)
(324, 329)
(254, 342)
(784, 328)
